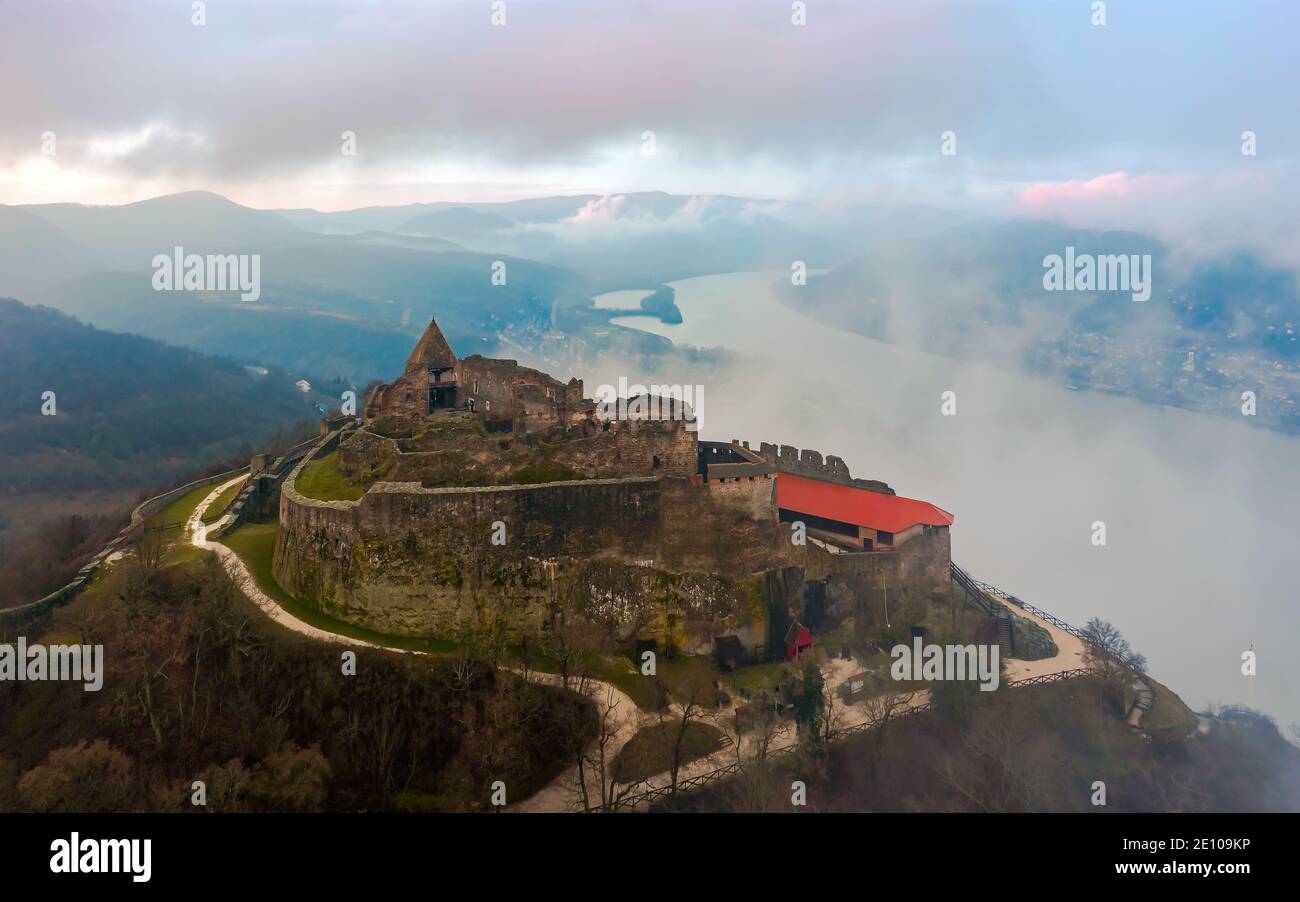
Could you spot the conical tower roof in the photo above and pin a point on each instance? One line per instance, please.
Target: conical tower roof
(432, 351)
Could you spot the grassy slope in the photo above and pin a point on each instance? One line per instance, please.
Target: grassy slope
(221, 502)
(178, 512)
(322, 480)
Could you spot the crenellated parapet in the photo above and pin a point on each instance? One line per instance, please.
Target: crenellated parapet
(810, 462)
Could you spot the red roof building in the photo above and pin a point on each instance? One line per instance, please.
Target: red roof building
(866, 519)
(797, 640)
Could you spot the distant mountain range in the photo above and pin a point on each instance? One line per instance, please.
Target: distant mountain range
(344, 294)
(616, 240)
(331, 306)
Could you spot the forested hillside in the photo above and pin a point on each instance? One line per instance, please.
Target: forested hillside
(128, 414)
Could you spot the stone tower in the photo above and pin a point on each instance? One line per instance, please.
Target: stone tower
(430, 381)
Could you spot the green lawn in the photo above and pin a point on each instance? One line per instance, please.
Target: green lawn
(179, 511)
(221, 502)
(759, 677)
(322, 480)
(614, 669)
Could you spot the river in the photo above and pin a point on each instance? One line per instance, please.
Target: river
(1199, 511)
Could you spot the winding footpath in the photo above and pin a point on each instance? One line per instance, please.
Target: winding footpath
(561, 794)
(626, 719)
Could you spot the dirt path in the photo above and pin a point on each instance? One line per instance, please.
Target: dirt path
(561, 794)
(1069, 652)
(197, 530)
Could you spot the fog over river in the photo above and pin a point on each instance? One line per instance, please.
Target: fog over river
(1200, 512)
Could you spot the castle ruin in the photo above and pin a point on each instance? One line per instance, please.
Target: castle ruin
(499, 502)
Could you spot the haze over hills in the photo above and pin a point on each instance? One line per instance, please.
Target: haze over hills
(344, 292)
(1212, 327)
(330, 305)
(619, 240)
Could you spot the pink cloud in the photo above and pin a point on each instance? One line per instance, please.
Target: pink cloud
(1197, 215)
(1103, 190)
(601, 209)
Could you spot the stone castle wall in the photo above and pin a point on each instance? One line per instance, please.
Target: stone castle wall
(644, 555)
(509, 393)
(638, 555)
(809, 462)
(823, 587)
(626, 448)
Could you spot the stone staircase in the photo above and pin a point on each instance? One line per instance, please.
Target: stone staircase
(1004, 633)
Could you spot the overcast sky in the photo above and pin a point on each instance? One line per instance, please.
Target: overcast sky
(1139, 119)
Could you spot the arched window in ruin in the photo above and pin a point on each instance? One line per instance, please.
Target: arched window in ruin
(655, 464)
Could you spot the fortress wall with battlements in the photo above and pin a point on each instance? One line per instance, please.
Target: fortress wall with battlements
(420, 561)
(809, 462)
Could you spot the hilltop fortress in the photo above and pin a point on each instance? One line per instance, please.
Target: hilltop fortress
(497, 503)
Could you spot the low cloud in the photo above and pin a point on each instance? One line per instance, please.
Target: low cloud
(1197, 215)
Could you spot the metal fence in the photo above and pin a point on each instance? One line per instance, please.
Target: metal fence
(972, 585)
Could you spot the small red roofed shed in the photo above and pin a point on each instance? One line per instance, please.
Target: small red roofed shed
(797, 640)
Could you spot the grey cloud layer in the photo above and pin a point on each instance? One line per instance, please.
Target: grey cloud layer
(264, 90)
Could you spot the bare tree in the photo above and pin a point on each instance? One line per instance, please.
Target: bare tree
(751, 731)
(147, 553)
(881, 710)
(1005, 764)
(597, 762)
(1109, 653)
(832, 713)
(691, 692)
